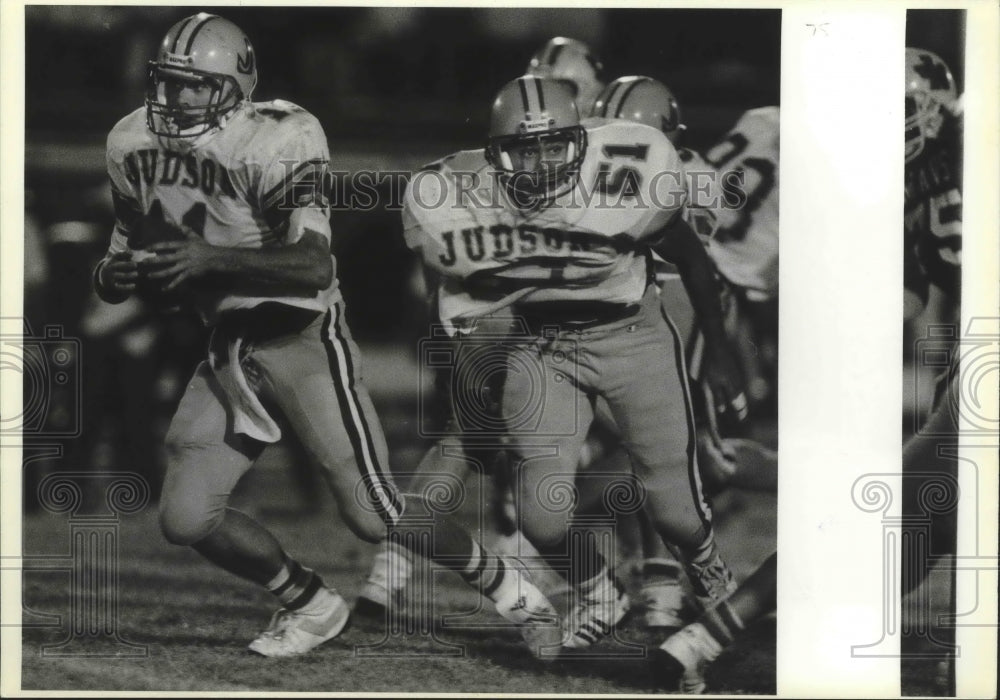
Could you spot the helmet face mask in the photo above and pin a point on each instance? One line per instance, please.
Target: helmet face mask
(211, 98)
(536, 142)
(536, 168)
(930, 93)
(204, 69)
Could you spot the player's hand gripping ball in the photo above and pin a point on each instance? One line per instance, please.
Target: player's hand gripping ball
(153, 291)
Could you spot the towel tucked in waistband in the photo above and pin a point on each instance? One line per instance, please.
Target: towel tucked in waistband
(229, 337)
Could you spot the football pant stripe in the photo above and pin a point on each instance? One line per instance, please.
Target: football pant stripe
(380, 489)
(385, 487)
(694, 475)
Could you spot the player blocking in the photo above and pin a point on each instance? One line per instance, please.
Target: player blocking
(593, 315)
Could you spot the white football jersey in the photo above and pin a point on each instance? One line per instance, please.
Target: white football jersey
(744, 244)
(588, 244)
(235, 188)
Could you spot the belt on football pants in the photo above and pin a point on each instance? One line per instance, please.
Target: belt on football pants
(575, 315)
(267, 321)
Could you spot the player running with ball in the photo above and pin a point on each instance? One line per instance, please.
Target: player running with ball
(220, 201)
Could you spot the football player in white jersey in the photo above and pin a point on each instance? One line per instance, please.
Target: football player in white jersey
(647, 101)
(222, 199)
(556, 222)
(577, 66)
(733, 205)
(574, 63)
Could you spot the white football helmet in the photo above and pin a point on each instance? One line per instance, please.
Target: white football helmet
(644, 100)
(570, 61)
(207, 53)
(930, 88)
(534, 113)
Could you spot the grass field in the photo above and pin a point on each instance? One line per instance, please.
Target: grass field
(188, 623)
(194, 621)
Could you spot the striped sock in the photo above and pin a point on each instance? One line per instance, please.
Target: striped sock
(723, 623)
(295, 585)
(704, 552)
(484, 571)
(658, 570)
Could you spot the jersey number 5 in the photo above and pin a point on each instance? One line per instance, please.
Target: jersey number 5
(625, 180)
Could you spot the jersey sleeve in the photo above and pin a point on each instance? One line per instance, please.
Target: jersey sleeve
(124, 197)
(430, 217)
(426, 185)
(668, 190)
(294, 178)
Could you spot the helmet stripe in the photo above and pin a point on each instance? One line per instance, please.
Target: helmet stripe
(522, 83)
(177, 37)
(625, 94)
(606, 106)
(194, 33)
(541, 95)
(554, 53)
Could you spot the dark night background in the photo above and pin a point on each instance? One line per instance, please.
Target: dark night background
(393, 87)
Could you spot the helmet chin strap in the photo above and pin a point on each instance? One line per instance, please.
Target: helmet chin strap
(188, 142)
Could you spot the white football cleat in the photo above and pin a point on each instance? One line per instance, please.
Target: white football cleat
(391, 571)
(522, 603)
(599, 608)
(661, 597)
(679, 663)
(294, 632)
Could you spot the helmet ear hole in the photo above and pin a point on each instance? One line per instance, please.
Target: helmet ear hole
(505, 160)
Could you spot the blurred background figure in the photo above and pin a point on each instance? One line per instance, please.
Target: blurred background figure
(932, 347)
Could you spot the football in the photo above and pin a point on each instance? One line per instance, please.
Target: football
(154, 229)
